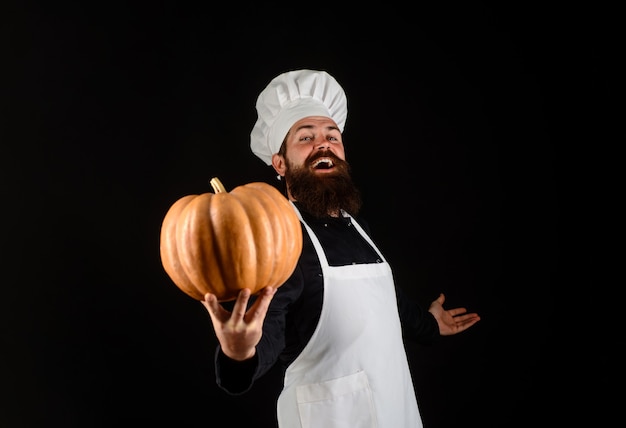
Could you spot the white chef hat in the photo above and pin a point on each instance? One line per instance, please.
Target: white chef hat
(290, 97)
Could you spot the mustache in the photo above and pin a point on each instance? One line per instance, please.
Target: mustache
(324, 154)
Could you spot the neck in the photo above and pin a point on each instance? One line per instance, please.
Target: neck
(332, 213)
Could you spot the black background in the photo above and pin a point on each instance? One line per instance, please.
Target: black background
(111, 112)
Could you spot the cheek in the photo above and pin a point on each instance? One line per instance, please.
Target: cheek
(340, 153)
(298, 157)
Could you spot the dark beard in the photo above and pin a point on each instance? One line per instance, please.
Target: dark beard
(322, 195)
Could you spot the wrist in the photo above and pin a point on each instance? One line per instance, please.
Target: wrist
(239, 355)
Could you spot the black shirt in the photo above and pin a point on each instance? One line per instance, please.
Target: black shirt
(295, 308)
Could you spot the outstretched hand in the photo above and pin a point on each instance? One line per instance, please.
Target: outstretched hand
(239, 331)
(451, 321)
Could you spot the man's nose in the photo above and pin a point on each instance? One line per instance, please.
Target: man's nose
(322, 143)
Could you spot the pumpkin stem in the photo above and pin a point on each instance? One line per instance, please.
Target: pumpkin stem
(218, 187)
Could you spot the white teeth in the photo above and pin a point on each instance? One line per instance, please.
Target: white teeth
(323, 160)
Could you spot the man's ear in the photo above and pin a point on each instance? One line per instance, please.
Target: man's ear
(278, 162)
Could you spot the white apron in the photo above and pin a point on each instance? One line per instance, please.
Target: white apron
(354, 372)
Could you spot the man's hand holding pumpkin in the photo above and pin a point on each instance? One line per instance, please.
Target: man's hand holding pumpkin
(239, 331)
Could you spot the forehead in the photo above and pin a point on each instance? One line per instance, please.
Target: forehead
(314, 122)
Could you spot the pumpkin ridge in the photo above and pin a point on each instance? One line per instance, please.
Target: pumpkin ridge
(277, 274)
(287, 234)
(234, 249)
(169, 249)
(195, 238)
(217, 216)
(294, 241)
(261, 229)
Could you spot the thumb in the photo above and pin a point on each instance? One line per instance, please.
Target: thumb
(209, 302)
(441, 299)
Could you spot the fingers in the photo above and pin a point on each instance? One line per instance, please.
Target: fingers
(216, 311)
(259, 308)
(462, 316)
(463, 322)
(241, 314)
(241, 304)
(209, 302)
(456, 311)
(240, 309)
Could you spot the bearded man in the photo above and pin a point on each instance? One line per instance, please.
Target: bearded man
(337, 324)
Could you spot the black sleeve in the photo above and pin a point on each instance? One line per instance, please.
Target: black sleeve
(235, 377)
(418, 324)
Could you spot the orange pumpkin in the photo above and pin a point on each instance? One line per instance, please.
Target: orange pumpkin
(223, 242)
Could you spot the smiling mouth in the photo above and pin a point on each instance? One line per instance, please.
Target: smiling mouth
(323, 163)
